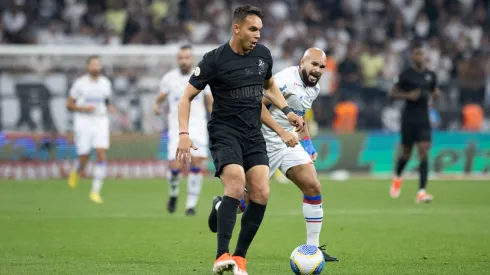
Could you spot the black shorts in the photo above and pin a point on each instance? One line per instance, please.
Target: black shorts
(415, 132)
(228, 146)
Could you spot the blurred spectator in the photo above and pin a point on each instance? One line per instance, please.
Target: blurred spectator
(372, 64)
(14, 23)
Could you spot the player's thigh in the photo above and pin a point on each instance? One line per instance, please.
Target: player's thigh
(173, 142)
(225, 149)
(408, 134)
(254, 151)
(298, 167)
(101, 139)
(257, 183)
(83, 142)
(424, 134)
(275, 160)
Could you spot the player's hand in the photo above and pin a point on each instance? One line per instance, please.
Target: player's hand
(308, 145)
(184, 146)
(413, 96)
(290, 139)
(156, 109)
(296, 121)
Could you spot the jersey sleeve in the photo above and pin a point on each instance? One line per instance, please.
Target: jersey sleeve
(271, 64)
(401, 81)
(204, 72)
(75, 90)
(163, 85)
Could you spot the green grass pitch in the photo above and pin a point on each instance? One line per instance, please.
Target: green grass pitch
(47, 228)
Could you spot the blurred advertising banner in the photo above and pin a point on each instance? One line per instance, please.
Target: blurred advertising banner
(144, 155)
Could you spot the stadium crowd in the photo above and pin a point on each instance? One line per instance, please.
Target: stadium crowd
(366, 41)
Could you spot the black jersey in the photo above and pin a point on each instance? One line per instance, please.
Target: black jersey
(236, 82)
(410, 80)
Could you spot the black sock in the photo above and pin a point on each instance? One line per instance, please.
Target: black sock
(226, 223)
(251, 220)
(400, 165)
(423, 172)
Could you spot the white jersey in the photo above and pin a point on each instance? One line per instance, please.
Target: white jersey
(173, 84)
(91, 92)
(299, 98)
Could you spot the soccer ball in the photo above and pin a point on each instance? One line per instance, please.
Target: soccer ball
(307, 259)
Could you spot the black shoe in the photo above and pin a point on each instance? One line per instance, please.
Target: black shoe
(213, 216)
(172, 204)
(327, 257)
(190, 212)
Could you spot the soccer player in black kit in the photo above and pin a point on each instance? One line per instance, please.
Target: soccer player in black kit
(416, 85)
(239, 73)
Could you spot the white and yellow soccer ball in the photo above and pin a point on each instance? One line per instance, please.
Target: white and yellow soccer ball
(307, 259)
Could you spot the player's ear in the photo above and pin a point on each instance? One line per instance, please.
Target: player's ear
(236, 28)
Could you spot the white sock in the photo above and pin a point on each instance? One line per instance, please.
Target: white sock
(194, 186)
(173, 183)
(313, 212)
(99, 175)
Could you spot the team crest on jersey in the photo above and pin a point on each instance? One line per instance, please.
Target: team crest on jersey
(428, 77)
(197, 71)
(262, 66)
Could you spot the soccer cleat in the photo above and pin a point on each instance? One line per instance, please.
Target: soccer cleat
(190, 212)
(213, 216)
(95, 197)
(241, 266)
(396, 188)
(423, 196)
(172, 204)
(327, 257)
(224, 263)
(73, 179)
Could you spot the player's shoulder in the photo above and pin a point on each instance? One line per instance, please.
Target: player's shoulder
(170, 74)
(81, 79)
(287, 78)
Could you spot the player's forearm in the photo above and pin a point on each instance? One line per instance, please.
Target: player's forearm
(160, 99)
(305, 132)
(274, 95)
(183, 113)
(397, 94)
(268, 121)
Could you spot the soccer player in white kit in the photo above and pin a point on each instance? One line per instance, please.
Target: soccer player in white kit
(89, 100)
(299, 85)
(172, 87)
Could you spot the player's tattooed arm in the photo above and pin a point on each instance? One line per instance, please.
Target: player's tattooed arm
(274, 95)
(289, 139)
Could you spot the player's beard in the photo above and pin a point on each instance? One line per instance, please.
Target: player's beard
(306, 80)
(184, 69)
(94, 74)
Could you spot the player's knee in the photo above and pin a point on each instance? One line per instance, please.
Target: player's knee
(101, 155)
(259, 193)
(312, 187)
(234, 187)
(423, 155)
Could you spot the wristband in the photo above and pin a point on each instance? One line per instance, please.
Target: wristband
(286, 110)
(183, 133)
(307, 141)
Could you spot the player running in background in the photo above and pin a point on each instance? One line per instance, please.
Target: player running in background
(172, 88)
(237, 73)
(299, 85)
(89, 99)
(416, 85)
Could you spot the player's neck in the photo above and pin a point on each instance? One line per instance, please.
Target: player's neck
(93, 77)
(236, 46)
(418, 68)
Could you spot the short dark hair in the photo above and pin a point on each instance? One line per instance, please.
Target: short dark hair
(92, 57)
(416, 44)
(186, 47)
(242, 12)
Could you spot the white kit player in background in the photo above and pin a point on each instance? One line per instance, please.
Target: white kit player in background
(300, 87)
(172, 87)
(89, 100)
